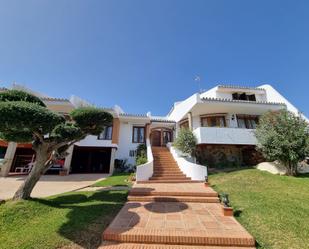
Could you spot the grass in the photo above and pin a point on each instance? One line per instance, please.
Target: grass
(274, 209)
(72, 220)
(117, 179)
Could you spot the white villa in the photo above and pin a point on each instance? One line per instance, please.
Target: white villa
(222, 118)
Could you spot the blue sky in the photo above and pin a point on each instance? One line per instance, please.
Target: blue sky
(144, 55)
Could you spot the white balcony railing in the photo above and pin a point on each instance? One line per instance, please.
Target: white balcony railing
(216, 135)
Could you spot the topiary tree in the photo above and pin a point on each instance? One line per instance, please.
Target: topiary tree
(25, 118)
(186, 142)
(283, 136)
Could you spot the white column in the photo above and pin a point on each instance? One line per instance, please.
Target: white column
(8, 159)
(190, 121)
(68, 159)
(112, 162)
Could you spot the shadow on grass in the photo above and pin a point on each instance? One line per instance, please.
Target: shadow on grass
(214, 171)
(237, 213)
(303, 175)
(88, 214)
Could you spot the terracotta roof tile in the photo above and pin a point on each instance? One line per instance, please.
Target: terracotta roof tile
(241, 101)
(241, 87)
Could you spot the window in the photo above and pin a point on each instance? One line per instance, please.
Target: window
(243, 96)
(167, 137)
(184, 124)
(138, 134)
(246, 121)
(213, 121)
(132, 153)
(106, 134)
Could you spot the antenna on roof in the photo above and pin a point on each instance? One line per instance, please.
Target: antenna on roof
(198, 80)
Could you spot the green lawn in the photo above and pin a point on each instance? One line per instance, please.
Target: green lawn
(73, 220)
(117, 179)
(274, 209)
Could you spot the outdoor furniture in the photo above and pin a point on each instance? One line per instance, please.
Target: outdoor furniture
(25, 169)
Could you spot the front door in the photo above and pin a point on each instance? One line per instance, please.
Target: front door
(156, 138)
(167, 137)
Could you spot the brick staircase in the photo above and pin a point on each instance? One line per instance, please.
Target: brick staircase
(166, 169)
(171, 211)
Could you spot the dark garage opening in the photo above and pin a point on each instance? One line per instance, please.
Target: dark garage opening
(2, 152)
(90, 160)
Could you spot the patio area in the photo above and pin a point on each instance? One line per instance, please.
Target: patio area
(49, 184)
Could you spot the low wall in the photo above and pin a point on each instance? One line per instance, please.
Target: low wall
(195, 171)
(145, 171)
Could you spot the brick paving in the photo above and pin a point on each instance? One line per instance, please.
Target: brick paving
(192, 189)
(185, 215)
(117, 245)
(180, 223)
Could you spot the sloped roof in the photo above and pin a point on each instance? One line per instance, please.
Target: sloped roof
(55, 99)
(133, 115)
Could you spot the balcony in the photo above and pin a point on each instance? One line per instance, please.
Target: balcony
(218, 135)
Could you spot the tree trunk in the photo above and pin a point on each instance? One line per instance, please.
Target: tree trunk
(291, 169)
(38, 169)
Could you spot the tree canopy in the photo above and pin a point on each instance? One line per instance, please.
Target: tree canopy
(283, 136)
(186, 142)
(25, 118)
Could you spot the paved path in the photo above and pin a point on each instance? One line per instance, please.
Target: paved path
(49, 184)
(183, 220)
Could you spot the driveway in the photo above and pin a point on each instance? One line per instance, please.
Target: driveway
(49, 184)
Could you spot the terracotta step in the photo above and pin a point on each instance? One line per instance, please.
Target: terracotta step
(169, 174)
(146, 192)
(119, 245)
(169, 178)
(201, 238)
(169, 181)
(197, 199)
(165, 165)
(171, 171)
(173, 164)
(174, 189)
(166, 168)
(166, 171)
(165, 161)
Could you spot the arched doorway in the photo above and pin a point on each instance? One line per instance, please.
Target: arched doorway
(161, 136)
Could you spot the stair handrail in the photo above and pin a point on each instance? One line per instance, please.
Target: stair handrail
(145, 171)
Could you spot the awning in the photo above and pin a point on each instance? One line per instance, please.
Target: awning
(3, 143)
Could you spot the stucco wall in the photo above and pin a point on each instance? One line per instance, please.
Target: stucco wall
(125, 140)
(93, 141)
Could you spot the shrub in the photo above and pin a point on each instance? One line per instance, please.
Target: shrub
(141, 154)
(141, 150)
(186, 142)
(283, 136)
(141, 160)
